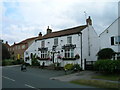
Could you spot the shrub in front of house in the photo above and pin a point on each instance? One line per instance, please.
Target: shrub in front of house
(105, 53)
(107, 66)
(68, 67)
(76, 67)
(34, 60)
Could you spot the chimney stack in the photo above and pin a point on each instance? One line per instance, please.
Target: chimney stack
(40, 34)
(49, 30)
(89, 21)
(6, 42)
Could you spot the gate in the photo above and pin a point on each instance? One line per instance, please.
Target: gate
(89, 65)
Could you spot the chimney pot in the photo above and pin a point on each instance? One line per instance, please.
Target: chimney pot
(89, 21)
(40, 34)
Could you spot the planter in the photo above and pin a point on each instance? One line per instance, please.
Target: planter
(44, 58)
(68, 58)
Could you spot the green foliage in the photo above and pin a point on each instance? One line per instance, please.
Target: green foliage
(18, 61)
(11, 62)
(105, 53)
(34, 60)
(76, 67)
(7, 62)
(77, 56)
(5, 52)
(73, 67)
(68, 67)
(108, 66)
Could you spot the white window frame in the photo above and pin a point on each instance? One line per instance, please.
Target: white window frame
(43, 54)
(117, 40)
(42, 43)
(69, 40)
(56, 41)
(69, 53)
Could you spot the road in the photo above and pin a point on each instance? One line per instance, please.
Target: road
(34, 78)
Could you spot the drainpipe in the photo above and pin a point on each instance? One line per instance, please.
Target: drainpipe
(80, 34)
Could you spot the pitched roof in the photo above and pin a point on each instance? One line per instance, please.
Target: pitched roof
(25, 41)
(7, 45)
(109, 26)
(65, 32)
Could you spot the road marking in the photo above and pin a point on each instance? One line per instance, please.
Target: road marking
(31, 86)
(8, 78)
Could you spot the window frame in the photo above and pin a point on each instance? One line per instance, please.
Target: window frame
(69, 53)
(69, 40)
(55, 41)
(43, 54)
(43, 43)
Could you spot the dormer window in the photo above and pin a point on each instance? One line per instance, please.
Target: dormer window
(56, 41)
(69, 40)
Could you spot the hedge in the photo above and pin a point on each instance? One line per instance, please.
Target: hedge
(108, 66)
(11, 62)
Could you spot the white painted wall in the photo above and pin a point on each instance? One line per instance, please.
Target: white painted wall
(94, 47)
(105, 37)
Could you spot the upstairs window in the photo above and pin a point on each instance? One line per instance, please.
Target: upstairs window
(23, 46)
(112, 40)
(69, 40)
(43, 44)
(18, 47)
(56, 41)
(115, 40)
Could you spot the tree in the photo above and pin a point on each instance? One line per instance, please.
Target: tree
(105, 53)
(5, 52)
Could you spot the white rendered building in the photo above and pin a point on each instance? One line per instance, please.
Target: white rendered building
(72, 45)
(110, 38)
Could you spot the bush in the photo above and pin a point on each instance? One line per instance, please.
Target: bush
(76, 67)
(7, 62)
(68, 67)
(34, 60)
(105, 53)
(35, 63)
(108, 66)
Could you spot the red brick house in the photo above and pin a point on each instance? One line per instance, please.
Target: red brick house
(17, 49)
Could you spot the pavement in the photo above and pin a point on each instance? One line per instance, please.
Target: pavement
(13, 77)
(80, 75)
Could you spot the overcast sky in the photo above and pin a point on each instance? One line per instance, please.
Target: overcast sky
(22, 19)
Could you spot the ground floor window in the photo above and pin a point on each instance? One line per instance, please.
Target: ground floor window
(69, 53)
(43, 54)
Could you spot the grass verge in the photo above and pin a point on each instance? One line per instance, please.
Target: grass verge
(107, 77)
(97, 83)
